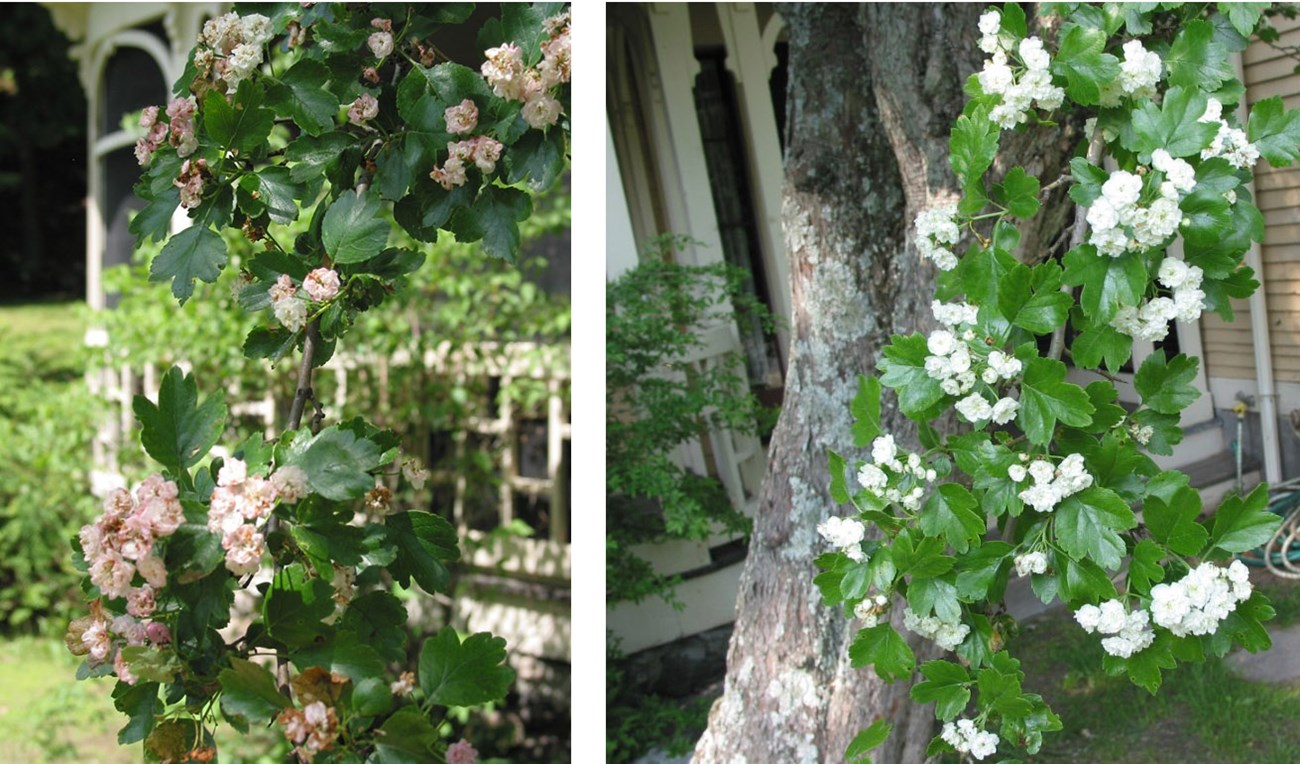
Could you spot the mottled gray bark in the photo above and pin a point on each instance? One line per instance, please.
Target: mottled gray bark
(873, 93)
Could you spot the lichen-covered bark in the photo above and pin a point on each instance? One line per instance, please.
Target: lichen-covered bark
(873, 93)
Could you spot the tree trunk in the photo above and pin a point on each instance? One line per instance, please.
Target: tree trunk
(873, 93)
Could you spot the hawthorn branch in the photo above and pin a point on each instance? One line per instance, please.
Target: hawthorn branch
(1080, 232)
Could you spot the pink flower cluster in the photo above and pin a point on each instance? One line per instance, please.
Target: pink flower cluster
(311, 730)
(505, 71)
(462, 753)
(364, 109)
(322, 284)
(239, 503)
(190, 181)
(462, 118)
(290, 310)
(483, 151)
(121, 542)
(230, 48)
(381, 42)
(102, 638)
(178, 133)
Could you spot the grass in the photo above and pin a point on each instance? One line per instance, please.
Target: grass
(1203, 713)
(45, 716)
(48, 335)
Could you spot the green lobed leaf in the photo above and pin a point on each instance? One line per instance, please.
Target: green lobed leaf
(1032, 300)
(1081, 60)
(248, 692)
(352, 230)
(379, 619)
(945, 685)
(839, 482)
(1166, 433)
(1172, 125)
(345, 654)
(972, 147)
(242, 126)
(866, 411)
(494, 218)
(296, 606)
(903, 369)
(1108, 282)
(1242, 525)
(178, 431)
(1243, 16)
(302, 96)
(153, 223)
(1144, 569)
(469, 673)
(372, 696)
(336, 461)
(865, 740)
(406, 737)
(1174, 523)
(1086, 525)
(311, 155)
(978, 573)
(934, 595)
(140, 704)
(195, 253)
(950, 512)
(1167, 386)
(883, 648)
(425, 544)
(1045, 398)
(1020, 193)
(537, 158)
(1275, 131)
(1196, 59)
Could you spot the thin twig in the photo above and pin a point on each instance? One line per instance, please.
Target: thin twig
(1095, 148)
(1050, 187)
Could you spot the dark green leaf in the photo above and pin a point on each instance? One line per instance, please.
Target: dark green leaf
(407, 737)
(178, 431)
(1021, 193)
(140, 704)
(950, 512)
(1240, 526)
(866, 411)
(296, 606)
(903, 369)
(425, 544)
(346, 654)
(1045, 398)
(1086, 68)
(882, 647)
(972, 146)
(153, 223)
(248, 692)
(337, 463)
(1196, 60)
(352, 230)
(1174, 523)
(945, 685)
(1167, 386)
(865, 740)
(538, 158)
(379, 619)
(242, 126)
(302, 96)
(494, 217)
(1172, 125)
(469, 673)
(1108, 282)
(195, 253)
(1086, 525)
(310, 155)
(1275, 131)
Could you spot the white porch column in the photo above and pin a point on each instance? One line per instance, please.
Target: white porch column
(620, 244)
(680, 150)
(751, 59)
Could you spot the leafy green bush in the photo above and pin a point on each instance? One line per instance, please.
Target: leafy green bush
(657, 399)
(47, 422)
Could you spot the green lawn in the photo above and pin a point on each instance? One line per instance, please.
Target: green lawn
(1203, 713)
(47, 336)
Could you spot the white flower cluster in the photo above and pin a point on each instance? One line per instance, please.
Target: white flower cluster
(967, 738)
(1230, 143)
(845, 534)
(946, 635)
(1031, 562)
(871, 609)
(1142, 433)
(936, 232)
(1051, 484)
(904, 470)
(1034, 86)
(1119, 224)
(1151, 320)
(1138, 75)
(975, 409)
(1131, 632)
(1204, 597)
(953, 314)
